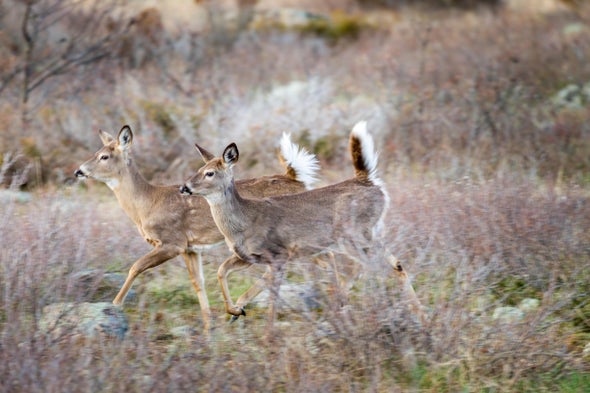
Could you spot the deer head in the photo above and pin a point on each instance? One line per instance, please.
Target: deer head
(213, 178)
(109, 162)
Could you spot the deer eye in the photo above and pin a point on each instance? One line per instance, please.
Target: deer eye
(104, 157)
(209, 174)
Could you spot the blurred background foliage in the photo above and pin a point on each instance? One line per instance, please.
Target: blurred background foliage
(500, 81)
(480, 112)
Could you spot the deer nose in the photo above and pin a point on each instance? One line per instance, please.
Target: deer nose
(185, 190)
(79, 173)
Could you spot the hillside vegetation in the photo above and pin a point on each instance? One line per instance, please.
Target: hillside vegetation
(480, 112)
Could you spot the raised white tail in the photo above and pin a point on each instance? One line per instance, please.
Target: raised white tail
(304, 165)
(367, 161)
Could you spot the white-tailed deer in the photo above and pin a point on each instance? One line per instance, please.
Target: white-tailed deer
(173, 224)
(346, 218)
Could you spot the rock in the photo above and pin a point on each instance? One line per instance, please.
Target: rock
(96, 286)
(184, 331)
(508, 314)
(516, 314)
(88, 320)
(15, 196)
(115, 281)
(292, 297)
(572, 96)
(574, 29)
(528, 305)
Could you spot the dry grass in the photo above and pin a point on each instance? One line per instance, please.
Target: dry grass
(490, 206)
(471, 248)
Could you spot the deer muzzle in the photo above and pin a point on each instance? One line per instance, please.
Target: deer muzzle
(185, 190)
(80, 174)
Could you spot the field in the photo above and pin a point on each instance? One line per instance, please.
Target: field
(481, 119)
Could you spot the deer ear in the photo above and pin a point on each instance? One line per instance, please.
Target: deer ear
(205, 155)
(105, 137)
(231, 154)
(125, 137)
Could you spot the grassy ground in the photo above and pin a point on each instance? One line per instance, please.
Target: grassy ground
(487, 166)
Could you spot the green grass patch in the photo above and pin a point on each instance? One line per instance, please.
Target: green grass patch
(513, 289)
(338, 26)
(577, 382)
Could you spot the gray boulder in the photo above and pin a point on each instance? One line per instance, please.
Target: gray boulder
(96, 286)
(508, 314)
(516, 314)
(292, 297)
(7, 196)
(88, 320)
(572, 96)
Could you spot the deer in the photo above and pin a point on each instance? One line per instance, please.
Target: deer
(172, 224)
(345, 218)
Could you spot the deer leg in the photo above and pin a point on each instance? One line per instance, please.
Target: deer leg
(254, 290)
(194, 264)
(335, 286)
(401, 273)
(342, 280)
(230, 265)
(275, 278)
(152, 259)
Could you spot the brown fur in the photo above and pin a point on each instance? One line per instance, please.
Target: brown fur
(271, 231)
(172, 223)
(360, 170)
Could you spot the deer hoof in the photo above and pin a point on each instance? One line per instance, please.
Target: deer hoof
(237, 311)
(236, 316)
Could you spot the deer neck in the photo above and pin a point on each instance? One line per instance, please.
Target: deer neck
(134, 193)
(227, 209)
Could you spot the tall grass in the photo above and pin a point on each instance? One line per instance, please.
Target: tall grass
(470, 248)
(489, 190)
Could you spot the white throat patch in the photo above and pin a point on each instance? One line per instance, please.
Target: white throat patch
(112, 183)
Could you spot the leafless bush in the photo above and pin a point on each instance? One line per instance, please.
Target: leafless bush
(14, 171)
(51, 39)
(460, 241)
(491, 244)
(489, 207)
